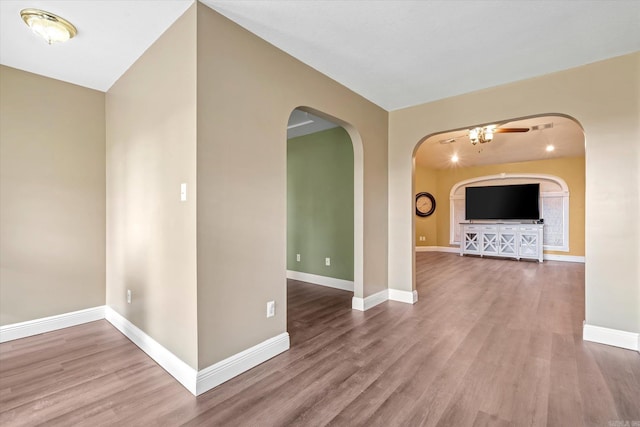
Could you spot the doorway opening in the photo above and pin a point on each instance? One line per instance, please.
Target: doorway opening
(546, 149)
(323, 224)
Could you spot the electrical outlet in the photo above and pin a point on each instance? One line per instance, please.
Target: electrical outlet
(271, 308)
(298, 257)
(327, 262)
(128, 296)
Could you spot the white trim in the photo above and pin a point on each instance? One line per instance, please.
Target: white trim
(29, 328)
(614, 337)
(561, 182)
(331, 282)
(437, 249)
(564, 258)
(197, 382)
(564, 193)
(546, 257)
(176, 367)
(409, 297)
(235, 365)
(364, 304)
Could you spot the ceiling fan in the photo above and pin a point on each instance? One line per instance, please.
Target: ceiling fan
(485, 134)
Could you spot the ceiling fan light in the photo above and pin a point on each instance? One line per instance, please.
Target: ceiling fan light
(474, 134)
(488, 134)
(50, 27)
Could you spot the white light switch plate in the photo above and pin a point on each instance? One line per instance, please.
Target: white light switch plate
(271, 308)
(183, 192)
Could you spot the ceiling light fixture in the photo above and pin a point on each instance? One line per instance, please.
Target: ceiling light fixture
(50, 27)
(481, 134)
(550, 148)
(454, 158)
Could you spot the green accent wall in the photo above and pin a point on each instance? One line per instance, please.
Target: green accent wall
(320, 203)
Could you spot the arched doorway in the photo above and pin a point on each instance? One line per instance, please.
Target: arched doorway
(551, 144)
(324, 203)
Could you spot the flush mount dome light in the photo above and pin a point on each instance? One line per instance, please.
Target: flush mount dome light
(50, 27)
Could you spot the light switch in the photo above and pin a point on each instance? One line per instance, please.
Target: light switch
(183, 192)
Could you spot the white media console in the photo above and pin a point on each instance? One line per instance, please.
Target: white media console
(509, 240)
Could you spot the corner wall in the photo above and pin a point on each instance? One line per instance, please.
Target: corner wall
(151, 150)
(52, 197)
(603, 97)
(247, 89)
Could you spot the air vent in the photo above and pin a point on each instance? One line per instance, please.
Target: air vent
(542, 127)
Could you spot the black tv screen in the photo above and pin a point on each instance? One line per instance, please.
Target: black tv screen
(508, 202)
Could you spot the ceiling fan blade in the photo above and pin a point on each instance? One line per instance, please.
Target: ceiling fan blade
(510, 130)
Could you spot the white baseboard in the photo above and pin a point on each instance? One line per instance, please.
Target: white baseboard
(230, 367)
(345, 285)
(198, 382)
(546, 257)
(176, 367)
(408, 297)
(364, 304)
(29, 328)
(437, 249)
(614, 337)
(563, 258)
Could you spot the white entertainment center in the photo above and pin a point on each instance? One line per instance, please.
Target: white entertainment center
(511, 240)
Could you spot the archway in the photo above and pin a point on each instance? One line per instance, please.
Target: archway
(553, 144)
(324, 202)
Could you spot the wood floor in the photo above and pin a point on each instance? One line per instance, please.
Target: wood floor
(489, 343)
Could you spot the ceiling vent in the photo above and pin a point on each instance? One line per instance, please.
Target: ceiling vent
(542, 127)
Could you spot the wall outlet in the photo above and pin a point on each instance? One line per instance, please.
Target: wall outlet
(298, 257)
(128, 296)
(327, 262)
(422, 238)
(271, 308)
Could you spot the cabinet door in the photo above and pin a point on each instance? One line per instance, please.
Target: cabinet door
(508, 242)
(490, 242)
(528, 244)
(471, 241)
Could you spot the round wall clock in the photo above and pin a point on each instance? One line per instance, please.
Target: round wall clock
(425, 204)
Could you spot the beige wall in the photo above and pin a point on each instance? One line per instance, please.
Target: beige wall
(603, 97)
(151, 150)
(570, 169)
(52, 190)
(246, 92)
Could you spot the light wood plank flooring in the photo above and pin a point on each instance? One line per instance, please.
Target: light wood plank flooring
(489, 343)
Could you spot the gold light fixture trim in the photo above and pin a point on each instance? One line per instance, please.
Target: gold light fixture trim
(50, 27)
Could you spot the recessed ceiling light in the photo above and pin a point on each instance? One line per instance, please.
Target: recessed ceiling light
(550, 148)
(454, 158)
(50, 27)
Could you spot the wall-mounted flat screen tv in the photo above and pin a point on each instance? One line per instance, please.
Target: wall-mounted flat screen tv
(503, 202)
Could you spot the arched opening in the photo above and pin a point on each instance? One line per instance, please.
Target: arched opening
(324, 216)
(532, 149)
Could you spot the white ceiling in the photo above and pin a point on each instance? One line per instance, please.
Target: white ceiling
(303, 123)
(112, 35)
(404, 53)
(565, 135)
(394, 53)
